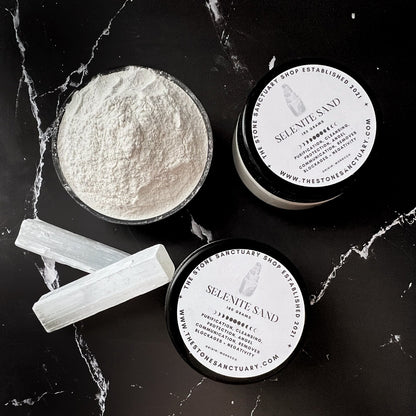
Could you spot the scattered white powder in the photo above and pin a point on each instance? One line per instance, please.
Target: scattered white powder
(132, 144)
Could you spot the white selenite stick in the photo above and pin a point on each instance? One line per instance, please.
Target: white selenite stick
(65, 247)
(107, 287)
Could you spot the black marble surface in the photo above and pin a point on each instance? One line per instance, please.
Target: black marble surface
(359, 353)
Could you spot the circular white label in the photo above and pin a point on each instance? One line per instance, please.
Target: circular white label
(313, 125)
(240, 313)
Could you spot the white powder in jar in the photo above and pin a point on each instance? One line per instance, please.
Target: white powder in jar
(132, 145)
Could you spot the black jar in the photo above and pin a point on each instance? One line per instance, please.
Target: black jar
(235, 310)
(305, 135)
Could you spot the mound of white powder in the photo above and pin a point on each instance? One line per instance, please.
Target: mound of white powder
(132, 144)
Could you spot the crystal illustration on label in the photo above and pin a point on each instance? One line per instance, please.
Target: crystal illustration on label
(293, 101)
(250, 280)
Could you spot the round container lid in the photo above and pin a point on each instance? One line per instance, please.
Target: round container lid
(235, 310)
(307, 130)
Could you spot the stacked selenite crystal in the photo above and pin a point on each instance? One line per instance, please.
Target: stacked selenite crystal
(115, 276)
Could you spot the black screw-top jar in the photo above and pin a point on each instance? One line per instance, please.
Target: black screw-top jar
(305, 134)
(235, 310)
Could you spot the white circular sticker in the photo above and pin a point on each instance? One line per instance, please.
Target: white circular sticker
(313, 125)
(240, 313)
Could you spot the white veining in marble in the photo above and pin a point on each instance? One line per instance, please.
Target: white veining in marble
(201, 232)
(223, 31)
(191, 390)
(5, 231)
(396, 339)
(306, 353)
(363, 252)
(82, 69)
(256, 405)
(94, 369)
(174, 395)
(19, 88)
(213, 7)
(187, 397)
(31, 400)
(48, 272)
(43, 135)
(406, 290)
(272, 63)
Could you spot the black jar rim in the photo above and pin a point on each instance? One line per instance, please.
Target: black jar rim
(264, 175)
(179, 278)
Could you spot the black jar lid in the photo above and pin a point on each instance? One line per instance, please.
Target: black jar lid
(317, 102)
(235, 310)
